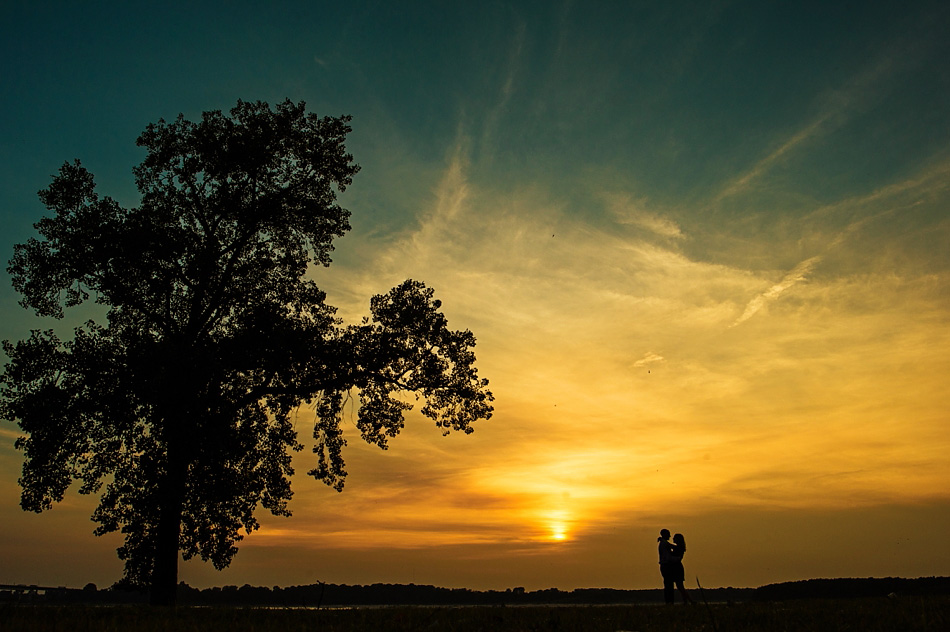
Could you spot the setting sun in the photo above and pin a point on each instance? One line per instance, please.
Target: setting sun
(558, 522)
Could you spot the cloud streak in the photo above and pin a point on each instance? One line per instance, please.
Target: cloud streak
(863, 88)
(742, 183)
(631, 212)
(798, 274)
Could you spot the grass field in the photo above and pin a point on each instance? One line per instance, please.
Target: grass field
(903, 613)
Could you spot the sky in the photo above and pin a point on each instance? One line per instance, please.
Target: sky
(703, 247)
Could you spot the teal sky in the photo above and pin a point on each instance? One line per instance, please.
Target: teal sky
(703, 247)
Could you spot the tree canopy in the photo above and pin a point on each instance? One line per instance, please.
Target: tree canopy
(177, 409)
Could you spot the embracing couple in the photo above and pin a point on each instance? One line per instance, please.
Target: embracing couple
(671, 564)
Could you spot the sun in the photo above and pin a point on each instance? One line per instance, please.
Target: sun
(557, 525)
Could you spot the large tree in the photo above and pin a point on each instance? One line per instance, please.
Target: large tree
(177, 408)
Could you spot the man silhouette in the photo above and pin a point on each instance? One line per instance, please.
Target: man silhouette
(667, 564)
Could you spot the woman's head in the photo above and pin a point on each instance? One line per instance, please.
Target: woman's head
(679, 540)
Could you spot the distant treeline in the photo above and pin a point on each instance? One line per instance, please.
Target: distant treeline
(336, 595)
(411, 594)
(847, 588)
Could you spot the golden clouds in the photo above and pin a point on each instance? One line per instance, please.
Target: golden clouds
(631, 375)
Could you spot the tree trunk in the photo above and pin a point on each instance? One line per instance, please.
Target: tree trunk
(164, 587)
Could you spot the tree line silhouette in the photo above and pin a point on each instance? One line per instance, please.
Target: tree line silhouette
(342, 595)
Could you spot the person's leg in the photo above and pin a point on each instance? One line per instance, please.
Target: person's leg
(668, 590)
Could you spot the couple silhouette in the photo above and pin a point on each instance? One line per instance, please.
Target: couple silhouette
(671, 565)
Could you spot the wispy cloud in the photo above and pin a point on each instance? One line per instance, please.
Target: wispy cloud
(648, 358)
(741, 183)
(834, 108)
(494, 115)
(630, 211)
(453, 188)
(928, 184)
(798, 274)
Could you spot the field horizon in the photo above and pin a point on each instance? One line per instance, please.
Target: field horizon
(341, 595)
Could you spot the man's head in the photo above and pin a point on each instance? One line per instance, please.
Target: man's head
(665, 534)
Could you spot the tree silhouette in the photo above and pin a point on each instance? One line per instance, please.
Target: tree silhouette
(178, 409)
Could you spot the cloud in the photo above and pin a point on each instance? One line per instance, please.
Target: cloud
(797, 275)
(834, 107)
(648, 358)
(929, 184)
(565, 325)
(741, 183)
(631, 212)
(508, 87)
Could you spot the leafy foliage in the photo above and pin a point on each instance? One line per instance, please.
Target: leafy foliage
(178, 409)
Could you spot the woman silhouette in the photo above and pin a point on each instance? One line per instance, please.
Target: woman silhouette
(678, 550)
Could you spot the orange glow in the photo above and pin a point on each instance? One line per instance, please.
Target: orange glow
(558, 525)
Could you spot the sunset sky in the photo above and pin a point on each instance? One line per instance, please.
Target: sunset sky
(704, 248)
